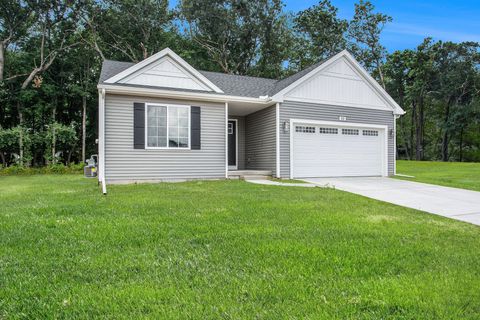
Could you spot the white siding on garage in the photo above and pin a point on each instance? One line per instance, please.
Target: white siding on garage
(124, 163)
(310, 111)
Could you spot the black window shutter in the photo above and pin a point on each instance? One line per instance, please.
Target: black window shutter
(195, 128)
(138, 125)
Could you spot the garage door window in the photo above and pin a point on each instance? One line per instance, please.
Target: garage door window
(304, 129)
(350, 132)
(373, 133)
(328, 130)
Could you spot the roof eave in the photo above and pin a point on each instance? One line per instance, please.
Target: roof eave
(178, 94)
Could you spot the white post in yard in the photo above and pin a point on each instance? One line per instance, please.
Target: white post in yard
(226, 140)
(101, 140)
(277, 142)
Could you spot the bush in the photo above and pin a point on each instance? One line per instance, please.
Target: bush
(52, 169)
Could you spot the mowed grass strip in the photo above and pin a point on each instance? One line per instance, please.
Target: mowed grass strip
(450, 174)
(227, 250)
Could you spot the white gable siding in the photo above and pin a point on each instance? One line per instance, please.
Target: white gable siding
(339, 84)
(165, 73)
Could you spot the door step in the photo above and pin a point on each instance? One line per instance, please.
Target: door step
(250, 174)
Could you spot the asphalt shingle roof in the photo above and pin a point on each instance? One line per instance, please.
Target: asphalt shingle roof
(235, 85)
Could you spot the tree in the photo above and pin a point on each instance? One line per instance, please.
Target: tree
(54, 23)
(364, 30)
(319, 34)
(457, 69)
(149, 28)
(15, 20)
(237, 34)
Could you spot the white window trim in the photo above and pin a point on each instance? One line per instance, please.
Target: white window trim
(167, 106)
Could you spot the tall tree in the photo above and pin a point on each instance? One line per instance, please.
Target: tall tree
(235, 33)
(457, 69)
(54, 23)
(15, 20)
(319, 32)
(365, 30)
(128, 29)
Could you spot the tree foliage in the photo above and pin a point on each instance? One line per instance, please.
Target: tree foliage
(51, 54)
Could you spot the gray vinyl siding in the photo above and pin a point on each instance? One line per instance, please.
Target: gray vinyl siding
(124, 163)
(260, 139)
(241, 141)
(302, 110)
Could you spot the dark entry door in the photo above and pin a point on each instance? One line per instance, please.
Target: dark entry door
(232, 143)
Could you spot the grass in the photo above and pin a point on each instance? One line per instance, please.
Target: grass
(451, 174)
(226, 250)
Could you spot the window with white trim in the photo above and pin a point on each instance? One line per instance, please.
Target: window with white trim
(304, 129)
(168, 126)
(328, 130)
(373, 133)
(350, 132)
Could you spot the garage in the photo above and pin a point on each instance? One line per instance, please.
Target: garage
(330, 149)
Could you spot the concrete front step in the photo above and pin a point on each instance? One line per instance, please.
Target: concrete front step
(249, 172)
(256, 177)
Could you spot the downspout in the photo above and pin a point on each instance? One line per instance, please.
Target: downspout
(226, 140)
(277, 141)
(101, 142)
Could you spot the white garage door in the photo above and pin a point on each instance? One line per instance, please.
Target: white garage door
(337, 151)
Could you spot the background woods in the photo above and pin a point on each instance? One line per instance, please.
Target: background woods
(51, 54)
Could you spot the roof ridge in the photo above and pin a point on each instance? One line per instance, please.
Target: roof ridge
(239, 75)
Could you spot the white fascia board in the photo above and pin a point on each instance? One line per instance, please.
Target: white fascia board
(152, 92)
(157, 56)
(372, 82)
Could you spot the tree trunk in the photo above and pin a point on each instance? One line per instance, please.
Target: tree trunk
(421, 133)
(20, 136)
(54, 138)
(461, 144)
(412, 128)
(84, 126)
(405, 139)
(2, 156)
(445, 134)
(2, 60)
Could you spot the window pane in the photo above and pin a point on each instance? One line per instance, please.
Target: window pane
(156, 126)
(162, 131)
(183, 122)
(173, 142)
(183, 142)
(183, 112)
(152, 141)
(152, 121)
(152, 131)
(161, 111)
(162, 141)
(173, 132)
(183, 132)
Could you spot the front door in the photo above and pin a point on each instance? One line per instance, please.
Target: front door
(232, 144)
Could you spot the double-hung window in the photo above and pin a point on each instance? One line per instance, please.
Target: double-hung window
(168, 126)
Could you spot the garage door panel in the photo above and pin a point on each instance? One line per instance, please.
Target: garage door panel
(318, 154)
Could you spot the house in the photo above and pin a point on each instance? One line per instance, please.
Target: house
(161, 119)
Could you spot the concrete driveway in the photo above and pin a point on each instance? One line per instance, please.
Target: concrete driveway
(453, 203)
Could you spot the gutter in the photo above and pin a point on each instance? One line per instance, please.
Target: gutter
(116, 89)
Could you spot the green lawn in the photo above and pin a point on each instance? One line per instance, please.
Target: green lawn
(451, 174)
(227, 250)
